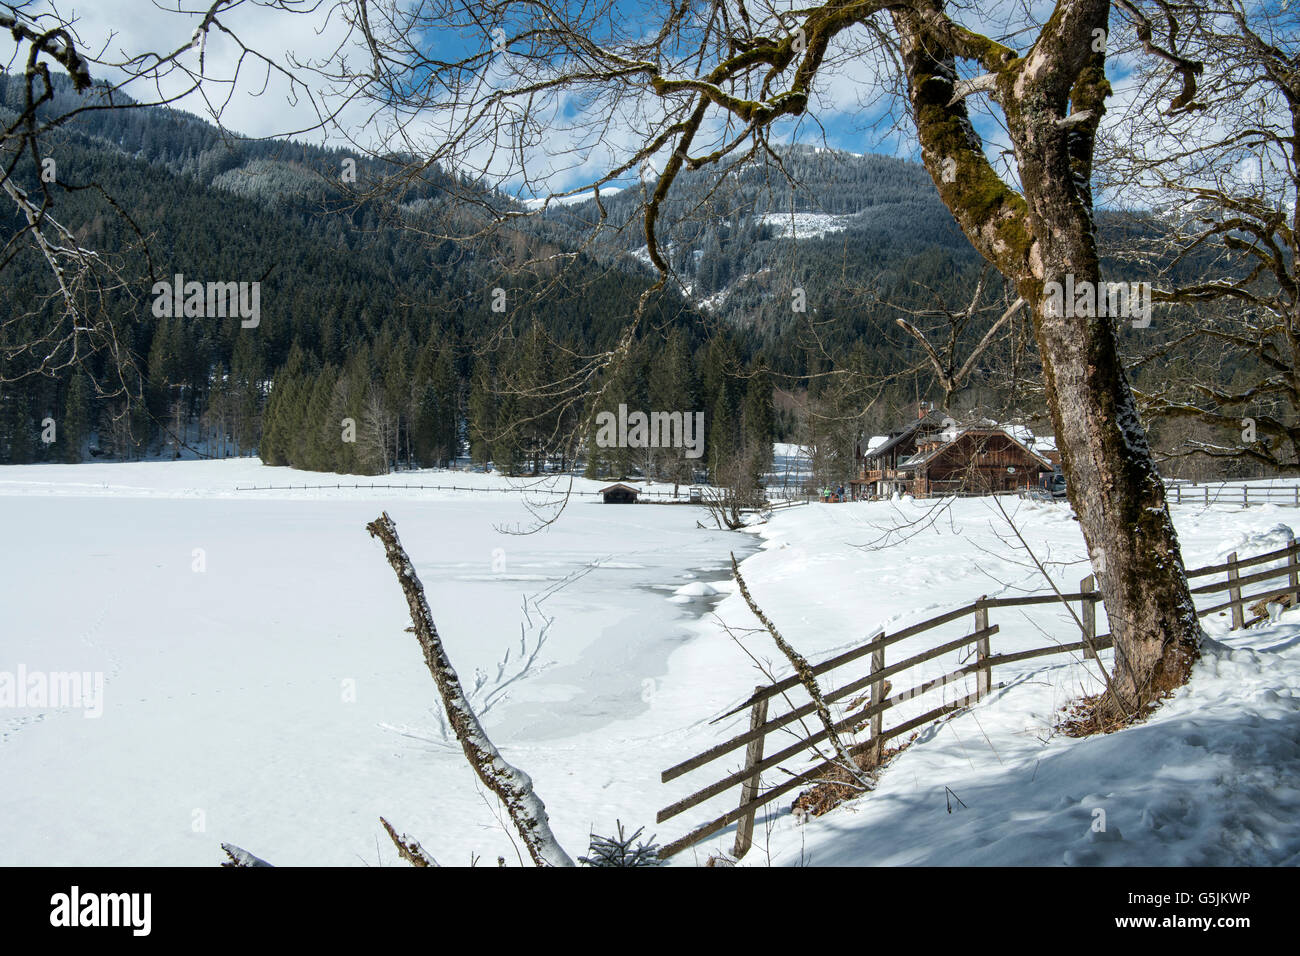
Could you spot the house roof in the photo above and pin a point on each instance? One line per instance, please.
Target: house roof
(617, 486)
(924, 457)
(932, 419)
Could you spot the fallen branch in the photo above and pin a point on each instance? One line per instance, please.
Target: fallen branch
(806, 677)
(514, 787)
(241, 857)
(408, 849)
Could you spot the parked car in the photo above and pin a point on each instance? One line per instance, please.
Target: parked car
(1056, 484)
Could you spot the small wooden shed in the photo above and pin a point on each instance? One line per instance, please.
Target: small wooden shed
(619, 494)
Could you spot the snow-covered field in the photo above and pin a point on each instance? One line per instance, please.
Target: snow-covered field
(274, 700)
(259, 687)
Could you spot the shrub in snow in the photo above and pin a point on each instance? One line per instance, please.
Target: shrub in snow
(619, 851)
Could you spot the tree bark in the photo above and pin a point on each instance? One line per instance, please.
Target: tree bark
(1039, 237)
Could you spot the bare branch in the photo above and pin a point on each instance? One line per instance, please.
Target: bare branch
(514, 787)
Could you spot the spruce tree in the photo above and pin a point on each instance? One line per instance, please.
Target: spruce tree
(75, 430)
(446, 425)
(482, 413)
(759, 418)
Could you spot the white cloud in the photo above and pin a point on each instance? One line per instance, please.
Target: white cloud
(259, 103)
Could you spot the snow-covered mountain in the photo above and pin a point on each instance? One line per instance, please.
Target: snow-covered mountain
(826, 221)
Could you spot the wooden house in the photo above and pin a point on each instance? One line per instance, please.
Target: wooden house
(935, 456)
(879, 471)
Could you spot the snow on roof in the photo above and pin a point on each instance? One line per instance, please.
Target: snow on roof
(1013, 432)
(1020, 433)
(875, 441)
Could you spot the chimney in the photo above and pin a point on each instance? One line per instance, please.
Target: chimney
(922, 409)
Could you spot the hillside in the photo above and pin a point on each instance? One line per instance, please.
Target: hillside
(854, 232)
(796, 267)
(365, 284)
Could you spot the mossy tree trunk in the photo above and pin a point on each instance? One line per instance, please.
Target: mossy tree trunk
(1053, 98)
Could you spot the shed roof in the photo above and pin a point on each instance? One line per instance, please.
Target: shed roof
(619, 485)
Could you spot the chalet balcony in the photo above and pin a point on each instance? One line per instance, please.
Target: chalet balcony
(884, 474)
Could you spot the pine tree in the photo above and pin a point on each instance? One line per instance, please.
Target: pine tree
(482, 413)
(320, 444)
(446, 426)
(759, 418)
(672, 388)
(75, 431)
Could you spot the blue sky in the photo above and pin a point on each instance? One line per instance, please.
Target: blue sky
(838, 120)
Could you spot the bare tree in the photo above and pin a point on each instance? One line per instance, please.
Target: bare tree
(1222, 171)
(735, 491)
(951, 370)
(379, 433)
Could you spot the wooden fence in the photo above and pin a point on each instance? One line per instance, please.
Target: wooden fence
(681, 496)
(868, 704)
(1222, 494)
(685, 495)
(781, 504)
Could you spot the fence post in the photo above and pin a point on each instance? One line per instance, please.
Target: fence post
(1234, 594)
(1178, 494)
(1245, 496)
(877, 697)
(749, 789)
(983, 676)
(1088, 607)
(1207, 496)
(1294, 578)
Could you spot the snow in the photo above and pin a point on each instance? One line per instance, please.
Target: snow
(1022, 434)
(1044, 444)
(791, 469)
(1210, 780)
(804, 225)
(698, 589)
(586, 196)
(274, 700)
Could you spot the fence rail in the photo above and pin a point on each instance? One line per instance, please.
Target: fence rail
(1223, 494)
(775, 501)
(382, 486)
(869, 706)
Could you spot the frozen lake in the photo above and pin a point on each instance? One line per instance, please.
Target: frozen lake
(259, 685)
